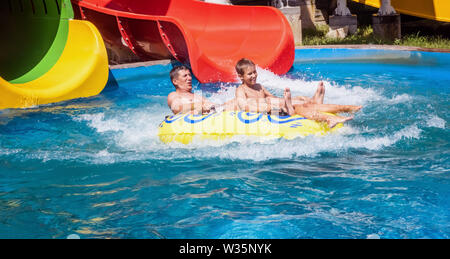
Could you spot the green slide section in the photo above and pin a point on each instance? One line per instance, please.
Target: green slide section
(34, 38)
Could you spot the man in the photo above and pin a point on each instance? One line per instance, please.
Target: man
(182, 100)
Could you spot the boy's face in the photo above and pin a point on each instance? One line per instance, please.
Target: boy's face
(249, 76)
(184, 80)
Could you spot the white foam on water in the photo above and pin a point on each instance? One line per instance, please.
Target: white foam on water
(436, 122)
(310, 146)
(6, 151)
(133, 128)
(73, 236)
(225, 93)
(336, 94)
(135, 136)
(104, 156)
(373, 236)
(133, 132)
(402, 98)
(99, 122)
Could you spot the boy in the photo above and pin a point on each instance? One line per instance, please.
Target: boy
(253, 97)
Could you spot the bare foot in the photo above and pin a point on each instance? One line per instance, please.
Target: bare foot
(350, 108)
(334, 120)
(288, 101)
(357, 108)
(320, 93)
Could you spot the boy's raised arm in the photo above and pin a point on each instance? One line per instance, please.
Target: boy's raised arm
(267, 93)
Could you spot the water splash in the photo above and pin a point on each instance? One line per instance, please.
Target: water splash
(134, 131)
(436, 122)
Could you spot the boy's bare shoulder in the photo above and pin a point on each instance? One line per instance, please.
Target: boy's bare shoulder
(261, 87)
(240, 89)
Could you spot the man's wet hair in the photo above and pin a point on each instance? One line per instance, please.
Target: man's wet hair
(175, 70)
(242, 64)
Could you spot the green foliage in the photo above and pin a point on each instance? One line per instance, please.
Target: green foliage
(424, 41)
(364, 35)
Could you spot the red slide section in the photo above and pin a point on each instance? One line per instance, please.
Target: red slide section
(210, 38)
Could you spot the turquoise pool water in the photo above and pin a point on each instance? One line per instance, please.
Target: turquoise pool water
(95, 168)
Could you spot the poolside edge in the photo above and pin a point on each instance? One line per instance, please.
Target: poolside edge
(370, 46)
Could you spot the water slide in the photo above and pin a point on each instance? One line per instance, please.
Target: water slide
(47, 57)
(210, 38)
(438, 10)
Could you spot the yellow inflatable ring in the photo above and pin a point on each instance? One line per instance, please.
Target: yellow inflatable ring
(184, 128)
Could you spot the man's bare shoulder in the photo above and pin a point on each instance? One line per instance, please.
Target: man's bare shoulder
(176, 95)
(172, 94)
(171, 97)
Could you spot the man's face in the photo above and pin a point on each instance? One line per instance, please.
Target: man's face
(184, 80)
(250, 75)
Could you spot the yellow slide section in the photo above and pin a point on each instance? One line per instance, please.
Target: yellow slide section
(431, 9)
(81, 71)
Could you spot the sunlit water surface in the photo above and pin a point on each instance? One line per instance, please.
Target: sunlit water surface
(95, 167)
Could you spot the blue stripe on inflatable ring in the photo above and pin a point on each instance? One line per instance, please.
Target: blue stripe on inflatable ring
(193, 121)
(248, 121)
(282, 119)
(173, 118)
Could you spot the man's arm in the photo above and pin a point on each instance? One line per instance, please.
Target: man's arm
(180, 105)
(207, 106)
(174, 103)
(198, 105)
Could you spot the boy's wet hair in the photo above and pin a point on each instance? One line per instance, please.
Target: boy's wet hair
(242, 64)
(174, 72)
